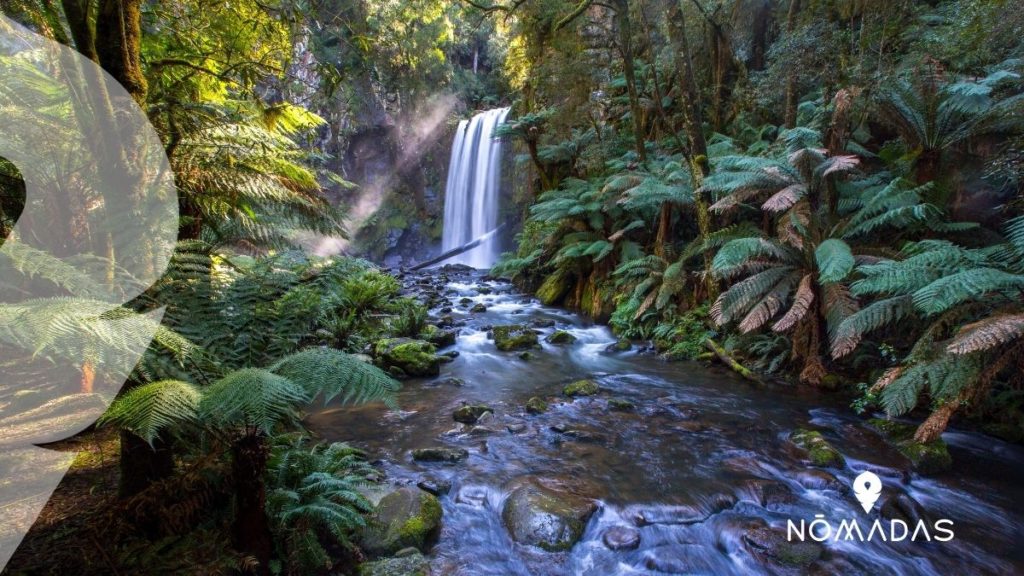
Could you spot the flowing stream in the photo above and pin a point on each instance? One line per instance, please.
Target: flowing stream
(701, 469)
(473, 187)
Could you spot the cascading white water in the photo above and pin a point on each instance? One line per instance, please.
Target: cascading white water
(471, 195)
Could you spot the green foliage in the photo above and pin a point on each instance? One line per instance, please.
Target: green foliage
(313, 501)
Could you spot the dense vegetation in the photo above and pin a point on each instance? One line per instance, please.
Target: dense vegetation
(823, 190)
(797, 189)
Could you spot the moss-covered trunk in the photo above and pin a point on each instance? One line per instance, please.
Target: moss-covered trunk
(118, 44)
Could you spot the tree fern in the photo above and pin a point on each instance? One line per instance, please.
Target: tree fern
(335, 374)
(148, 410)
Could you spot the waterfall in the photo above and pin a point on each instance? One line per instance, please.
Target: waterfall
(472, 192)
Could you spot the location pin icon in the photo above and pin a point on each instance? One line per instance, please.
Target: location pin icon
(867, 487)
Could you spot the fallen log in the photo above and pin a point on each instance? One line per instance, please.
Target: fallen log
(456, 251)
(728, 360)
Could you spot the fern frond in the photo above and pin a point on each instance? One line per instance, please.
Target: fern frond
(254, 399)
(150, 409)
(835, 260)
(801, 304)
(987, 334)
(335, 374)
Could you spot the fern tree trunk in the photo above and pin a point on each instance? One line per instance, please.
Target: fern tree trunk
(118, 44)
(141, 464)
(251, 530)
(791, 94)
(625, 30)
(693, 122)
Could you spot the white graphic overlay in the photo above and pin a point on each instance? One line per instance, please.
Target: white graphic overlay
(97, 229)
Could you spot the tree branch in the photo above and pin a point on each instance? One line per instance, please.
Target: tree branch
(576, 12)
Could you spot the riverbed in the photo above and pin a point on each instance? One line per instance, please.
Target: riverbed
(688, 457)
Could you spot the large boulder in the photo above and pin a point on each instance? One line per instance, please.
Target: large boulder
(407, 517)
(549, 519)
(410, 357)
(411, 564)
(926, 457)
(554, 288)
(819, 451)
(514, 337)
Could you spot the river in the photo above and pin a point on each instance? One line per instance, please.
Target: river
(701, 469)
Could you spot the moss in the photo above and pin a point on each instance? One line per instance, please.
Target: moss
(581, 388)
(560, 337)
(416, 529)
(622, 345)
(554, 288)
(411, 357)
(819, 451)
(405, 518)
(514, 337)
(438, 337)
(621, 405)
(470, 414)
(536, 405)
(926, 458)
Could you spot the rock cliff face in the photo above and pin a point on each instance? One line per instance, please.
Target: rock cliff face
(399, 172)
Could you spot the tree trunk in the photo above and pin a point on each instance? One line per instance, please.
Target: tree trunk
(791, 88)
(118, 44)
(80, 25)
(142, 464)
(626, 48)
(763, 24)
(928, 166)
(251, 530)
(693, 122)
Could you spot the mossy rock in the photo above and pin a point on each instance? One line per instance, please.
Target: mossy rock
(478, 308)
(407, 517)
(412, 564)
(536, 405)
(439, 454)
(412, 357)
(471, 413)
(546, 518)
(772, 545)
(439, 337)
(581, 388)
(620, 345)
(621, 405)
(514, 337)
(554, 288)
(926, 458)
(560, 337)
(819, 451)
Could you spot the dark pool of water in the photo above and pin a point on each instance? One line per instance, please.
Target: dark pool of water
(699, 436)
